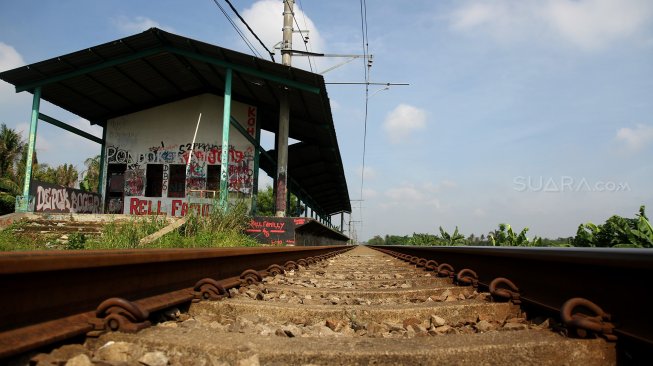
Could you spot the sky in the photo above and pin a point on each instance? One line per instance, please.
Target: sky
(536, 113)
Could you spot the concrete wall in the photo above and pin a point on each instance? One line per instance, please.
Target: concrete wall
(163, 135)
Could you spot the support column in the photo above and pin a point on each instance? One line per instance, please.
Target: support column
(224, 160)
(282, 155)
(103, 172)
(257, 158)
(23, 205)
(342, 220)
(284, 114)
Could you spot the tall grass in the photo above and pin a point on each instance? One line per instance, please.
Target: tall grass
(218, 229)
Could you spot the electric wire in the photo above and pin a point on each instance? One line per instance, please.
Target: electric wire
(250, 29)
(302, 35)
(306, 27)
(242, 36)
(366, 66)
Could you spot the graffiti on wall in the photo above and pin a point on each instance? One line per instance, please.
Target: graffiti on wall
(274, 230)
(174, 207)
(53, 198)
(241, 173)
(115, 206)
(134, 181)
(165, 176)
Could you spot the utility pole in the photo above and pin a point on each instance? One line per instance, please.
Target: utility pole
(284, 113)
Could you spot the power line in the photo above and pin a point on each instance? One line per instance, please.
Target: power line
(306, 27)
(366, 66)
(302, 35)
(250, 29)
(242, 36)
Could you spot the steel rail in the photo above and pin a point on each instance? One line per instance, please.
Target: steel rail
(618, 280)
(50, 296)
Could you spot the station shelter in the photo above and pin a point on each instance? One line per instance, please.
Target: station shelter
(182, 123)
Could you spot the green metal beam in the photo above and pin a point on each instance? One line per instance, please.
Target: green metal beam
(89, 69)
(243, 69)
(224, 161)
(174, 50)
(69, 128)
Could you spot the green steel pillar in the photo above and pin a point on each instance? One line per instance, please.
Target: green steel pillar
(103, 170)
(224, 161)
(23, 205)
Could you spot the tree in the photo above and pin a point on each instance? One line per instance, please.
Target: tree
(66, 175)
(376, 240)
(11, 149)
(617, 231)
(452, 239)
(91, 176)
(505, 236)
(423, 239)
(265, 204)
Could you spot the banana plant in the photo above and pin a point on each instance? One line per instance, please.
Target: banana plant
(505, 236)
(452, 239)
(639, 236)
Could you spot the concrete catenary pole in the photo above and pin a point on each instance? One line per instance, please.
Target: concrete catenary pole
(284, 113)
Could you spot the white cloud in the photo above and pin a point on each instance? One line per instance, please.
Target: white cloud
(593, 23)
(370, 172)
(136, 24)
(422, 195)
(635, 139)
(501, 18)
(9, 57)
(407, 192)
(402, 121)
(42, 144)
(264, 18)
(588, 24)
(369, 193)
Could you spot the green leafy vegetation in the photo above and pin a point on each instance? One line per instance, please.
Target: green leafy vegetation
(265, 204)
(505, 236)
(91, 176)
(13, 160)
(616, 232)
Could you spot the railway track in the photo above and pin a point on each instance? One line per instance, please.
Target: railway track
(362, 306)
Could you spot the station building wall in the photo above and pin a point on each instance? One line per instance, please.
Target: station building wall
(147, 154)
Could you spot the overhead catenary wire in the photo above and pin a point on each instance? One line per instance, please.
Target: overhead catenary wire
(240, 33)
(299, 29)
(366, 66)
(310, 48)
(250, 29)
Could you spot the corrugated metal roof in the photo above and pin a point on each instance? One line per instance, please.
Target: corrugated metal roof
(157, 67)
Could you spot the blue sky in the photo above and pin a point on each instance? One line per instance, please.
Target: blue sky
(538, 113)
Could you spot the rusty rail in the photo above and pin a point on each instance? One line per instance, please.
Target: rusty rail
(612, 285)
(52, 296)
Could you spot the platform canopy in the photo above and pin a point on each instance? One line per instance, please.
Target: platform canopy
(157, 67)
